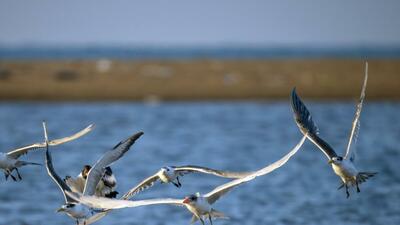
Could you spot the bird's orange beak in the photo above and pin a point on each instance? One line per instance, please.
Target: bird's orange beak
(186, 201)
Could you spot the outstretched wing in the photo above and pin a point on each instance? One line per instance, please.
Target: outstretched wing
(52, 173)
(218, 192)
(307, 126)
(97, 171)
(108, 203)
(350, 151)
(146, 183)
(20, 151)
(220, 173)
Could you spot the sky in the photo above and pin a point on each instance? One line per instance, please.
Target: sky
(198, 23)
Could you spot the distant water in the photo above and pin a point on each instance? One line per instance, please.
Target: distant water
(227, 52)
(238, 136)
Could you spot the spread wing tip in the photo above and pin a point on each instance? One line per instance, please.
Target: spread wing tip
(301, 115)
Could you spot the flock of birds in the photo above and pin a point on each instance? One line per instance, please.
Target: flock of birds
(92, 194)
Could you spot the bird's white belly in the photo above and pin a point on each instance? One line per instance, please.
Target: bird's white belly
(346, 171)
(167, 177)
(5, 162)
(202, 207)
(79, 212)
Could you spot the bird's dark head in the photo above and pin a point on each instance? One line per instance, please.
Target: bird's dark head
(108, 171)
(336, 160)
(85, 171)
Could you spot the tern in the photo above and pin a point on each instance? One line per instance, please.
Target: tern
(342, 166)
(199, 205)
(105, 188)
(79, 212)
(9, 161)
(171, 174)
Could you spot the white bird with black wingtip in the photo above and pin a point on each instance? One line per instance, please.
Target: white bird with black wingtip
(342, 166)
(199, 205)
(79, 212)
(105, 188)
(9, 161)
(171, 174)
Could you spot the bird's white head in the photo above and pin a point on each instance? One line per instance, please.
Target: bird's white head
(168, 171)
(336, 160)
(66, 208)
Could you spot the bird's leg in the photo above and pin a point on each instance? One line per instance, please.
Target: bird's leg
(358, 188)
(209, 217)
(77, 222)
(179, 183)
(176, 185)
(12, 177)
(201, 220)
(347, 191)
(341, 186)
(6, 174)
(19, 176)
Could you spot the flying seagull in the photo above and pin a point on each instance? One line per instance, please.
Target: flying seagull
(72, 208)
(171, 174)
(199, 205)
(9, 161)
(105, 188)
(343, 166)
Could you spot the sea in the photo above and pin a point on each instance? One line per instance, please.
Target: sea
(224, 135)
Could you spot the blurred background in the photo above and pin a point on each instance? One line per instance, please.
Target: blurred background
(208, 82)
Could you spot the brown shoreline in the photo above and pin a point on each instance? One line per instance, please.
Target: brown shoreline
(201, 79)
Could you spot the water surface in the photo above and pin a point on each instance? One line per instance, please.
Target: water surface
(224, 135)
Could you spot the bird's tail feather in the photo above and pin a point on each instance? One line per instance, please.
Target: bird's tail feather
(217, 214)
(194, 219)
(214, 214)
(363, 176)
(24, 163)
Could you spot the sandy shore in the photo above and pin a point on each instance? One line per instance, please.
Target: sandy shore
(195, 79)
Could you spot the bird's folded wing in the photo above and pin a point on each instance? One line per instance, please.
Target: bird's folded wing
(147, 183)
(220, 173)
(20, 151)
(219, 191)
(350, 151)
(97, 171)
(307, 126)
(108, 203)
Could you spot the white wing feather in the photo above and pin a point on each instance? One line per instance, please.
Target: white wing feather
(350, 151)
(218, 192)
(21, 151)
(108, 203)
(97, 171)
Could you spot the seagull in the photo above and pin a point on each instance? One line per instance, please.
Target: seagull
(171, 174)
(9, 161)
(105, 188)
(72, 208)
(342, 166)
(199, 205)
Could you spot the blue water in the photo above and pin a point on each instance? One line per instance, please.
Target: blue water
(233, 136)
(219, 52)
